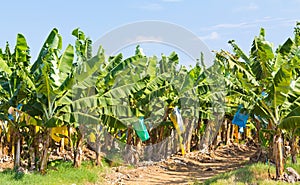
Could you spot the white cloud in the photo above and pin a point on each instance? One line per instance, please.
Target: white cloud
(229, 25)
(251, 24)
(171, 1)
(151, 7)
(289, 22)
(212, 36)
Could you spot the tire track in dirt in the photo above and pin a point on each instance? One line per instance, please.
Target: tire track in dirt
(185, 170)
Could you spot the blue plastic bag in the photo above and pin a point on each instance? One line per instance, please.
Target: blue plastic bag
(240, 119)
(10, 117)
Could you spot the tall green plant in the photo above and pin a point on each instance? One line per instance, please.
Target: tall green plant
(15, 86)
(272, 73)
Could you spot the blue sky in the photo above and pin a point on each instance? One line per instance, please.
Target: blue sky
(214, 22)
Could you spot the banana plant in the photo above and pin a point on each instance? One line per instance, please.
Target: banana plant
(83, 50)
(52, 74)
(202, 99)
(15, 85)
(130, 83)
(274, 73)
(55, 77)
(150, 101)
(101, 96)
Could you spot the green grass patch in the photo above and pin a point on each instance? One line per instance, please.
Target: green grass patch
(251, 174)
(58, 173)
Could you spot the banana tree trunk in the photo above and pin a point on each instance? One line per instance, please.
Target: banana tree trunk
(258, 126)
(236, 133)
(168, 148)
(129, 136)
(190, 129)
(197, 132)
(138, 145)
(206, 137)
(11, 141)
(44, 156)
(31, 159)
(214, 143)
(17, 152)
(62, 146)
(78, 151)
(228, 131)
(37, 154)
(294, 149)
(98, 150)
(32, 148)
(278, 153)
(223, 131)
(161, 133)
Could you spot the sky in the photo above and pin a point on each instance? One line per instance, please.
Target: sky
(214, 22)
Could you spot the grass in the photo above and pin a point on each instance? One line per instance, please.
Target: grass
(59, 173)
(251, 174)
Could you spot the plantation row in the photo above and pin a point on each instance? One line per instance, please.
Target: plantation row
(145, 108)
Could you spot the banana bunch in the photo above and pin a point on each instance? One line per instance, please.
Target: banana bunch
(176, 118)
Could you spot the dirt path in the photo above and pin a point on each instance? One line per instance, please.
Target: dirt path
(179, 170)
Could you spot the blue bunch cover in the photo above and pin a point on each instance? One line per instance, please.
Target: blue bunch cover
(10, 117)
(240, 119)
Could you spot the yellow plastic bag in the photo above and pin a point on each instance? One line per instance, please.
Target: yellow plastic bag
(59, 130)
(176, 118)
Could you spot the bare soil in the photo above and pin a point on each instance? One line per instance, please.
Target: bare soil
(192, 167)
